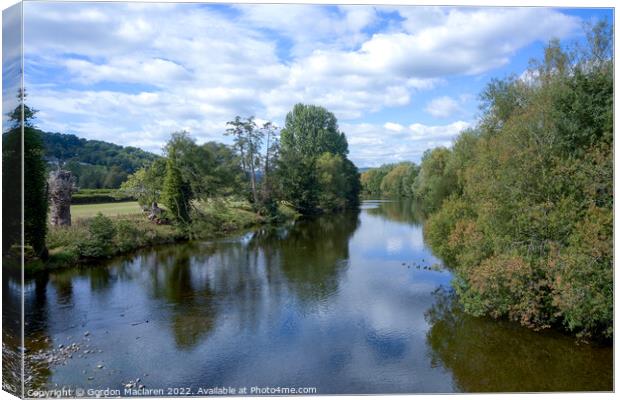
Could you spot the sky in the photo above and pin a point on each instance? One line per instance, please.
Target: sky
(400, 80)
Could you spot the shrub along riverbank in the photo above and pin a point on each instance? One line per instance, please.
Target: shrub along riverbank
(521, 206)
(101, 237)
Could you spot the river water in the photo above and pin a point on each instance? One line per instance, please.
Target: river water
(349, 303)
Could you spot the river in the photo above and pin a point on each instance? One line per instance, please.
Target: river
(349, 303)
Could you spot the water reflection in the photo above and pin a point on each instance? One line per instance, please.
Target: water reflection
(404, 210)
(340, 303)
(312, 254)
(496, 356)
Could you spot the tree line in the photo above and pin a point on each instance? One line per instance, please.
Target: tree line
(94, 163)
(304, 164)
(521, 206)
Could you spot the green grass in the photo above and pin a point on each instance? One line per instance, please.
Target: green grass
(131, 230)
(82, 211)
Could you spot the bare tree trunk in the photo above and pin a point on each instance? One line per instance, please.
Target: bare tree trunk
(61, 185)
(252, 169)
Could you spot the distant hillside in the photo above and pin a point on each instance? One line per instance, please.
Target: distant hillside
(95, 163)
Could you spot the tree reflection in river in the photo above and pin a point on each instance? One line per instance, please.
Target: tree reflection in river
(313, 254)
(403, 210)
(486, 355)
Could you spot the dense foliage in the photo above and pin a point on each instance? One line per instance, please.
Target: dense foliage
(177, 192)
(313, 169)
(308, 168)
(96, 164)
(522, 206)
(188, 172)
(98, 196)
(35, 203)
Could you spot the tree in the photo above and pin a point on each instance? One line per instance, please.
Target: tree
(371, 179)
(434, 182)
(333, 182)
(176, 193)
(397, 182)
(248, 140)
(35, 200)
(268, 202)
(309, 132)
(523, 204)
(146, 183)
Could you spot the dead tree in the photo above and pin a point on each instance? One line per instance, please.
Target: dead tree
(61, 184)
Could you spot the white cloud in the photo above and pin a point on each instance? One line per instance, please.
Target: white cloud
(132, 72)
(437, 132)
(391, 126)
(443, 107)
(372, 145)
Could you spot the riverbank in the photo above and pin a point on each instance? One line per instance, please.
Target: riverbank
(104, 236)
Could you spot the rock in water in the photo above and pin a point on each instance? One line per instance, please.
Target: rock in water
(61, 185)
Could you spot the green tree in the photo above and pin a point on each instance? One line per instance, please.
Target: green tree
(524, 203)
(309, 132)
(146, 183)
(333, 182)
(35, 200)
(435, 181)
(248, 140)
(398, 182)
(371, 179)
(177, 192)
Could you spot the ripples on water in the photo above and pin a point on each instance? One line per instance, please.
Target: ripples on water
(345, 303)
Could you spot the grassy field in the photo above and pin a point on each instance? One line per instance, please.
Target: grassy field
(81, 211)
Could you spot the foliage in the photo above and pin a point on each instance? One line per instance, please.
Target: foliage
(35, 192)
(96, 196)
(371, 179)
(398, 182)
(333, 181)
(211, 169)
(435, 181)
(35, 203)
(309, 133)
(146, 183)
(99, 242)
(11, 189)
(104, 235)
(248, 140)
(95, 163)
(177, 192)
(528, 220)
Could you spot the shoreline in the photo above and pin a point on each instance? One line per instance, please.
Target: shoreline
(142, 234)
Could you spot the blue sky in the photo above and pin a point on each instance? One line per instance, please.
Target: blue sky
(400, 79)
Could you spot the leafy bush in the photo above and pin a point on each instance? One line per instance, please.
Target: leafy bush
(583, 275)
(100, 239)
(528, 227)
(128, 236)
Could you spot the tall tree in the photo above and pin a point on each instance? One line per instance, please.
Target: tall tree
(248, 140)
(176, 193)
(270, 159)
(309, 132)
(35, 187)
